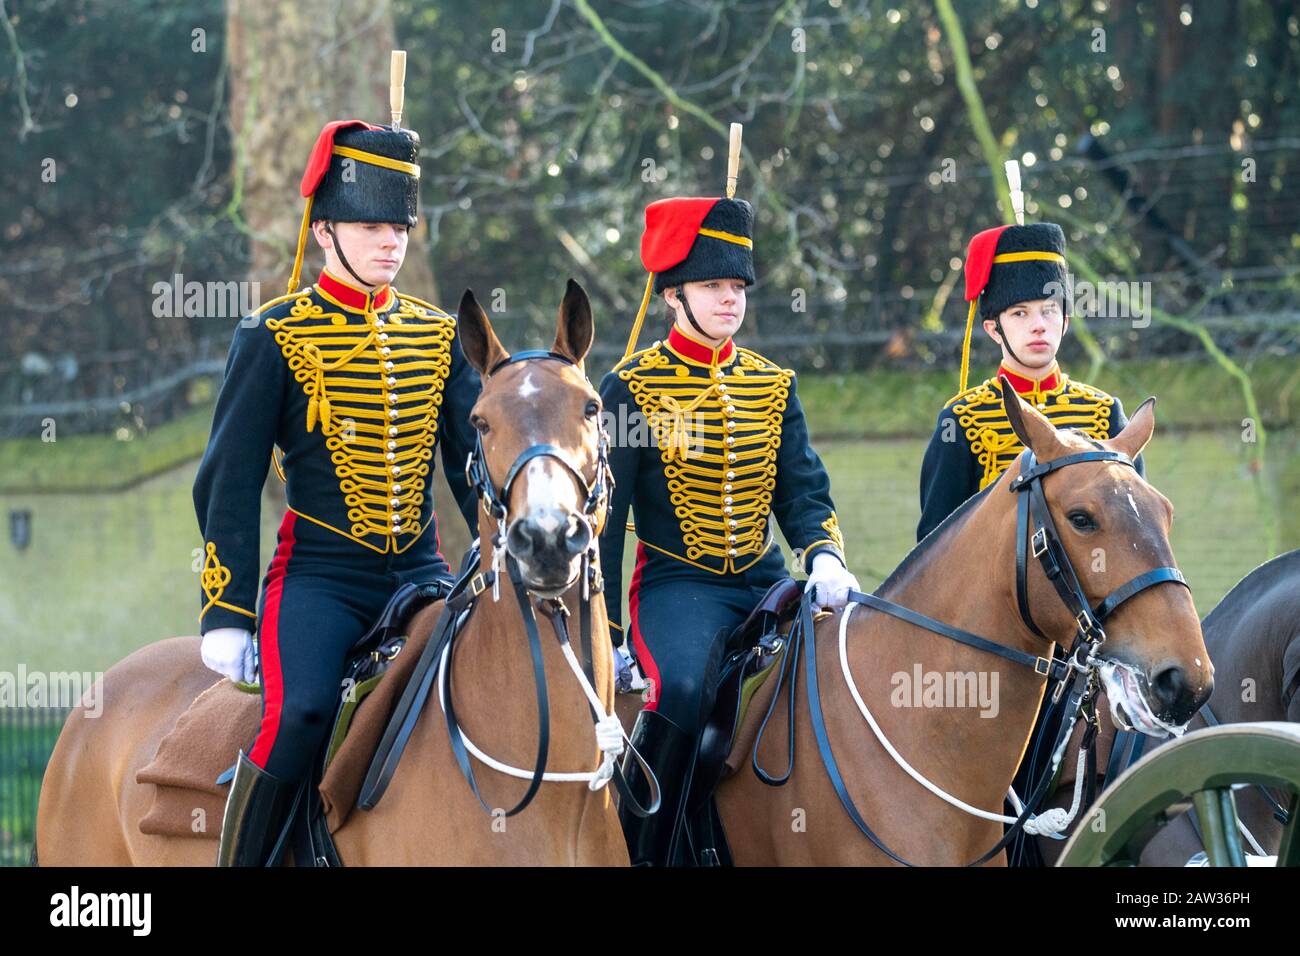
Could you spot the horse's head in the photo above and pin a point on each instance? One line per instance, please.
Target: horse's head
(538, 420)
(1114, 527)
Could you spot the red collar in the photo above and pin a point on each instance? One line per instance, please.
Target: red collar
(695, 351)
(1030, 386)
(353, 297)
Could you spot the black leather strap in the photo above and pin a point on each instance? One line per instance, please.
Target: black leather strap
(1140, 583)
(1036, 471)
(1042, 665)
(398, 731)
(806, 634)
(790, 666)
(543, 704)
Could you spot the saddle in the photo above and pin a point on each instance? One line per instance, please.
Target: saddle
(187, 768)
(750, 651)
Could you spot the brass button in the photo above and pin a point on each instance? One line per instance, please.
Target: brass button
(731, 456)
(392, 429)
(397, 469)
(731, 475)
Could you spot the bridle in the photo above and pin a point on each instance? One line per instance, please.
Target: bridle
(435, 660)
(1036, 536)
(496, 503)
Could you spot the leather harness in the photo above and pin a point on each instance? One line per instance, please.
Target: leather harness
(1076, 673)
(460, 605)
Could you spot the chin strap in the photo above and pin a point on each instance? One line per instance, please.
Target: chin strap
(338, 249)
(681, 297)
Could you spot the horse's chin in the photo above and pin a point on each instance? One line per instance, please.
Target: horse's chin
(1130, 704)
(548, 582)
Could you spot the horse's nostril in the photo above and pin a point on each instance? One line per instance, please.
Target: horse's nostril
(577, 535)
(1169, 685)
(522, 538)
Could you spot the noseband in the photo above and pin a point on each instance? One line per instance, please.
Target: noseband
(497, 503)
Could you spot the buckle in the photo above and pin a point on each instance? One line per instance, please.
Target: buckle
(1060, 690)
(1042, 666)
(1039, 542)
(477, 584)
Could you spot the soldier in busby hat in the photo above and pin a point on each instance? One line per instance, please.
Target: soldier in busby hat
(357, 384)
(1016, 280)
(728, 451)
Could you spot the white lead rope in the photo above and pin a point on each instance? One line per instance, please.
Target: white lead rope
(609, 732)
(1049, 823)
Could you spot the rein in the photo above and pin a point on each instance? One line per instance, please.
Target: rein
(1077, 673)
(435, 659)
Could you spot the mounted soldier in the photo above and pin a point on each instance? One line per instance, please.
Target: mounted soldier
(357, 384)
(728, 450)
(1016, 279)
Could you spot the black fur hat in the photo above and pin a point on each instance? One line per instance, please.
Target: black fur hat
(353, 190)
(1012, 282)
(709, 257)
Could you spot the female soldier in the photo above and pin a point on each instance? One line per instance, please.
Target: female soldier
(729, 450)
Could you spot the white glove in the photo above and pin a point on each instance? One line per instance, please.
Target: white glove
(229, 651)
(830, 581)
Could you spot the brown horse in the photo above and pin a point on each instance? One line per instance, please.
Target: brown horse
(962, 716)
(1253, 636)
(90, 805)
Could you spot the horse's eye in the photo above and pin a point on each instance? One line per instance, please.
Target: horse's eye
(479, 422)
(1082, 521)
(593, 408)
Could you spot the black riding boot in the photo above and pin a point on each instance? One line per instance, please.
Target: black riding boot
(257, 809)
(669, 751)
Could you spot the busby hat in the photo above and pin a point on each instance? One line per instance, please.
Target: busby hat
(1010, 264)
(358, 172)
(693, 239)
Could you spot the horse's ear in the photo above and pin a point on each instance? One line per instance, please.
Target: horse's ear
(576, 328)
(480, 344)
(1138, 431)
(1034, 429)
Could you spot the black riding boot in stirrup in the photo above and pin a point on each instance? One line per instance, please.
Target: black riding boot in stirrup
(257, 809)
(669, 751)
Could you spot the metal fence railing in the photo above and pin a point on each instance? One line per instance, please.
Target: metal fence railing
(27, 737)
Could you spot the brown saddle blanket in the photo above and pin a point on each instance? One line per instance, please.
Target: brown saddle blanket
(207, 738)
